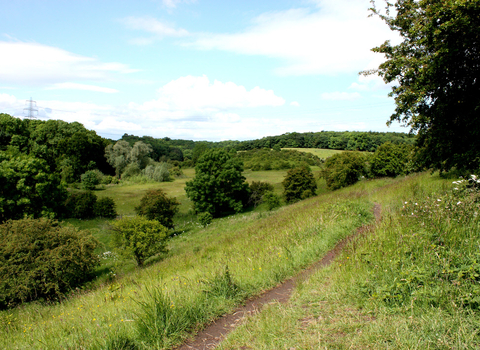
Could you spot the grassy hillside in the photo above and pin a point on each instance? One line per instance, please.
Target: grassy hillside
(410, 283)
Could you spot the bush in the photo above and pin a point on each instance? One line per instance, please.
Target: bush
(155, 205)
(299, 183)
(272, 200)
(257, 190)
(139, 237)
(391, 160)
(157, 172)
(344, 169)
(205, 219)
(131, 170)
(81, 205)
(41, 259)
(89, 180)
(105, 208)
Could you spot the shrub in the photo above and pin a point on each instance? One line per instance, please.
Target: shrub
(139, 237)
(344, 169)
(257, 190)
(272, 200)
(41, 259)
(157, 172)
(205, 219)
(131, 170)
(81, 205)
(155, 205)
(391, 160)
(89, 180)
(299, 183)
(105, 208)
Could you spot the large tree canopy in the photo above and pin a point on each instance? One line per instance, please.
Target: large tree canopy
(435, 71)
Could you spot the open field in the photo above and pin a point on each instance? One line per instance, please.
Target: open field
(363, 300)
(320, 153)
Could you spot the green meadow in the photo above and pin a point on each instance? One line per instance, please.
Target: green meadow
(379, 293)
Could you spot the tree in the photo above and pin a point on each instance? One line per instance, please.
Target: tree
(139, 237)
(89, 180)
(299, 183)
(344, 169)
(155, 205)
(218, 185)
(28, 188)
(118, 156)
(435, 71)
(390, 160)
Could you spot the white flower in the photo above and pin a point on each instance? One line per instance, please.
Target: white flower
(439, 200)
(459, 203)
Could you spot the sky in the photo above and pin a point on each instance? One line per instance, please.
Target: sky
(195, 69)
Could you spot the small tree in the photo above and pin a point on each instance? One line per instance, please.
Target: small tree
(272, 200)
(81, 205)
(344, 169)
(257, 190)
(155, 205)
(205, 219)
(105, 208)
(90, 180)
(299, 184)
(139, 237)
(218, 185)
(390, 160)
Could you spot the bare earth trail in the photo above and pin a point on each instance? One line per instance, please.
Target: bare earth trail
(213, 334)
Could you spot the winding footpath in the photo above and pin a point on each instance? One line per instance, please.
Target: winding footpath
(212, 335)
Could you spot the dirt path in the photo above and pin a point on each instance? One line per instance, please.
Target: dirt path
(213, 334)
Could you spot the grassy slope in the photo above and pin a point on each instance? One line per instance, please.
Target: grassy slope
(259, 248)
(403, 286)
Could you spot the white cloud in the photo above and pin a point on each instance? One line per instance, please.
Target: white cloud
(75, 86)
(334, 38)
(340, 96)
(198, 96)
(151, 25)
(35, 64)
(294, 103)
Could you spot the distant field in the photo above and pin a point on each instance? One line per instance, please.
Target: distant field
(321, 153)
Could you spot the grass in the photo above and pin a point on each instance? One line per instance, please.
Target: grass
(257, 249)
(411, 283)
(403, 286)
(319, 152)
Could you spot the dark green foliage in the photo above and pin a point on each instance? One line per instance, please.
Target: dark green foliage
(81, 205)
(299, 183)
(344, 169)
(89, 180)
(155, 205)
(105, 208)
(65, 147)
(205, 219)
(28, 188)
(139, 237)
(391, 160)
(257, 190)
(346, 140)
(435, 71)
(218, 186)
(272, 200)
(41, 259)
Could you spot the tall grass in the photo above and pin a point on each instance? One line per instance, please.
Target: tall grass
(411, 283)
(159, 305)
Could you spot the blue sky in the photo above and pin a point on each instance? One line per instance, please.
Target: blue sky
(195, 69)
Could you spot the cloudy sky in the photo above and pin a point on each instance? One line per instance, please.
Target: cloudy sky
(195, 69)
